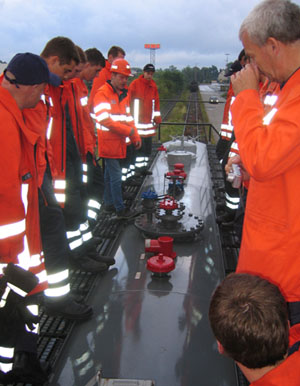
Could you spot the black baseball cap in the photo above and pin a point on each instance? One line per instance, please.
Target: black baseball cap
(149, 68)
(30, 69)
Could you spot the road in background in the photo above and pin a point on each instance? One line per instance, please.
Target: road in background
(214, 111)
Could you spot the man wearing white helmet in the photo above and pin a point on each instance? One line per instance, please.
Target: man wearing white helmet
(114, 125)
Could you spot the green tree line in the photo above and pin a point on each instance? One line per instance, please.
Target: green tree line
(171, 81)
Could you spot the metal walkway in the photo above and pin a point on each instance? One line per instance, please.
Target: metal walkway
(149, 328)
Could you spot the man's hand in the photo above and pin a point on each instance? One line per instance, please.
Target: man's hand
(138, 145)
(247, 78)
(237, 160)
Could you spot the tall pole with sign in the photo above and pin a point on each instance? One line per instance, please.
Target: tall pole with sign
(152, 48)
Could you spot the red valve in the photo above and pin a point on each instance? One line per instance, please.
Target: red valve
(163, 244)
(176, 173)
(160, 264)
(169, 203)
(178, 170)
(179, 166)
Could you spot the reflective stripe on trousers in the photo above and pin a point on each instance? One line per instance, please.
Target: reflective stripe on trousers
(231, 202)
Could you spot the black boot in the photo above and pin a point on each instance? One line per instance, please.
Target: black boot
(28, 369)
(67, 307)
(108, 209)
(227, 217)
(108, 260)
(92, 253)
(128, 195)
(87, 264)
(144, 172)
(6, 378)
(134, 181)
(126, 214)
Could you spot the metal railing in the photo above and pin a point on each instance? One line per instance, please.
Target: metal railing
(208, 128)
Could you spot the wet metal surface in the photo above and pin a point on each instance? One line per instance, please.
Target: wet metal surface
(150, 328)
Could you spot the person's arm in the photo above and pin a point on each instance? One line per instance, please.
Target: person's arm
(12, 212)
(156, 113)
(104, 117)
(266, 150)
(135, 138)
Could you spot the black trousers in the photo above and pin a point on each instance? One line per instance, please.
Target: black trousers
(95, 176)
(221, 148)
(53, 229)
(75, 209)
(146, 148)
(13, 331)
(240, 214)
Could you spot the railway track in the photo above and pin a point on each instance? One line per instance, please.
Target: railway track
(193, 124)
(193, 118)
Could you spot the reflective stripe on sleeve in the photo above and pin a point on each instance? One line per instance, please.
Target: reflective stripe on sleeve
(84, 101)
(12, 229)
(102, 116)
(268, 118)
(102, 106)
(49, 128)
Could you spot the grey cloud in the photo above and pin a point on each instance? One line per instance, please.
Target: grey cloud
(190, 31)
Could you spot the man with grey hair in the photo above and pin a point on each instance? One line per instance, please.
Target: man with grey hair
(269, 147)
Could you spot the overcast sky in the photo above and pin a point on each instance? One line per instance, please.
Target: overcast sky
(190, 32)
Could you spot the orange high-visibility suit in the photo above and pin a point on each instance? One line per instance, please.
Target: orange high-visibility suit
(99, 81)
(87, 124)
(114, 123)
(17, 169)
(270, 153)
(144, 103)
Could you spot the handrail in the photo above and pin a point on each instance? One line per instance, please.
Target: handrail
(211, 128)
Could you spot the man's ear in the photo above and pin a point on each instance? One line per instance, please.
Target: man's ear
(52, 60)
(273, 45)
(220, 348)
